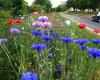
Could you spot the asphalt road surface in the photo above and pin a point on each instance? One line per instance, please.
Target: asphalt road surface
(80, 19)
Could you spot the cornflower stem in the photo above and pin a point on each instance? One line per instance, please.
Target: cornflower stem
(39, 64)
(8, 52)
(64, 64)
(22, 61)
(51, 66)
(16, 47)
(8, 56)
(91, 68)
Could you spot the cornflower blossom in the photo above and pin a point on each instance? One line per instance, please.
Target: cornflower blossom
(37, 24)
(43, 18)
(46, 38)
(66, 40)
(96, 41)
(3, 40)
(36, 32)
(93, 52)
(15, 31)
(46, 25)
(59, 68)
(81, 41)
(38, 47)
(50, 54)
(29, 76)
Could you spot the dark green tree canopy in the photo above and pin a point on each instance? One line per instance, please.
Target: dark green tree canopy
(45, 4)
(83, 4)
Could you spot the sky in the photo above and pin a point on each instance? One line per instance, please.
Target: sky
(55, 3)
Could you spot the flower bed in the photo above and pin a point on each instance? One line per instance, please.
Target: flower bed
(35, 50)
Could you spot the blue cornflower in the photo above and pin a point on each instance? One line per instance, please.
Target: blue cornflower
(55, 34)
(50, 54)
(82, 47)
(43, 18)
(47, 25)
(66, 40)
(35, 76)
(37, 24)
(46, 38)
(36, 32)
(29, 76)
(15, 31)
(96, 41)
(3, 40)
(59, 68)
(81, 41)
(38, 47)
(93, 52)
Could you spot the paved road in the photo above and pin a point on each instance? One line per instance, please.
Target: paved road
(79, 19)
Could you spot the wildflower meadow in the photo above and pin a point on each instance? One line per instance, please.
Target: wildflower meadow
(48, 47)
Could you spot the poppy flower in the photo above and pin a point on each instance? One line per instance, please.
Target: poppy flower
(96, 30)
(11, 21)
(18, 21)
(83, 26)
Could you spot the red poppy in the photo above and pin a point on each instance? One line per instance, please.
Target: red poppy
(82, 26)
(96, 30)
(18, 21)
(11, 21)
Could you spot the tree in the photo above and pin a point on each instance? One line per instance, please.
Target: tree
(5, 4)
(19, 7)
(83, 4)
(45, 4)
(71, 3)
(35, 7)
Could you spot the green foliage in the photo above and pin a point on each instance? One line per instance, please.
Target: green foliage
(5, 4)
(83, 4)
(47, 7)
(25, 59)
(36, 7)
(19, 7)
(5, 14)
(45, 4)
